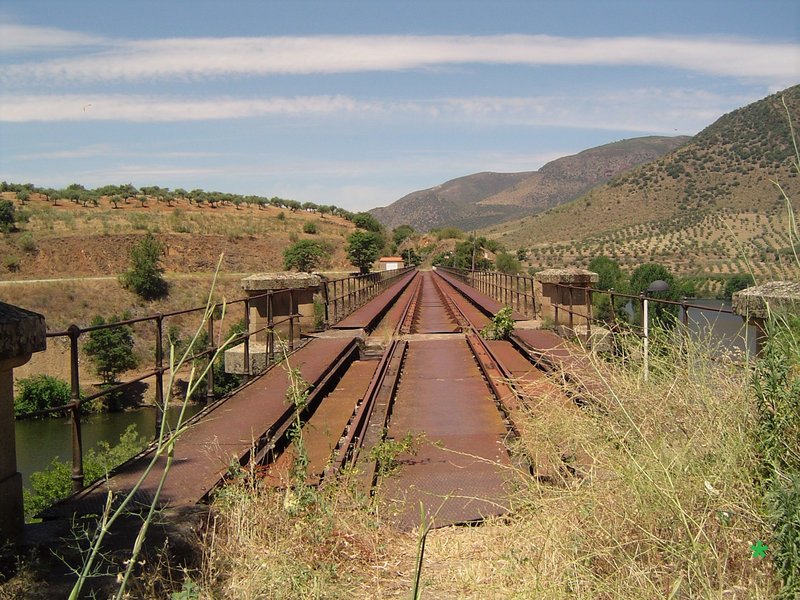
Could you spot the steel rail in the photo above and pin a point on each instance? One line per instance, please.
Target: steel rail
(349, 447)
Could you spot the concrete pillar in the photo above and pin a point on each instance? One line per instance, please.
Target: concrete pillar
(303, 287)
(547, 294)
(755, 304)
(21, 334)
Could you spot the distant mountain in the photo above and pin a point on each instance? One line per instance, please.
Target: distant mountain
(483, 199)
(706, 208)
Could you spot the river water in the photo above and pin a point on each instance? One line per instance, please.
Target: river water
(40, 440)
(724, 332)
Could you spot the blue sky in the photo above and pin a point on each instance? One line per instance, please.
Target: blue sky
(358, 103)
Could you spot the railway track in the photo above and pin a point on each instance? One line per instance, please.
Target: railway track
(455, 394)
(439, 382)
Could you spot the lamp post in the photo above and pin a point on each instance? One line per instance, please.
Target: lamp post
(659, 285)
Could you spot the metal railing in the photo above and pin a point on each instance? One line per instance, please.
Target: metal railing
(341, 296)
(515, 291)
(344, 295)
(633, 299)
(74, 333)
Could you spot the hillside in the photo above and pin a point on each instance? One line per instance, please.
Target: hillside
(486, 198)
(706, 208)
(71, 240)
(450, 202)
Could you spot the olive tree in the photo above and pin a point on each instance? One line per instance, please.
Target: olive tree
(111, 348)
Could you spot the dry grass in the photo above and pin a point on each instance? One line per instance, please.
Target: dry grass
(667, 509)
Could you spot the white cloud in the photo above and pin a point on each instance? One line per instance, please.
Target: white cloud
(160, 109)
(258, 56)
(23, 38)
(645, 110)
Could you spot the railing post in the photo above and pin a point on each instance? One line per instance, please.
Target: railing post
(571, 313)
(327, 300)
(291, 320)
(613, 307)
(160, 408)
(77, 440)
(270, 329)
(335, 308)
(247, 339)
(211, 350)
(685, 315)
(588, 297)
(555, 314)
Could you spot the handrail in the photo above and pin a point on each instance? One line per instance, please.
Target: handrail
(506, 288)
(348, 294)
(516, 291)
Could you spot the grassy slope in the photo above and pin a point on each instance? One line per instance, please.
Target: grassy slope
(707, 208)
(71, 241)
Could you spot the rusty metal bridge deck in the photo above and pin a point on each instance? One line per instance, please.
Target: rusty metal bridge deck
(222, 435)
(454, 392)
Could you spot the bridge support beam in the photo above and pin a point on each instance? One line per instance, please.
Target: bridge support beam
(21, 334)
(293, 293)
(755, 304)
(549, 296)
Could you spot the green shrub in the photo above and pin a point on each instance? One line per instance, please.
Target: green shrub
(11, 262)
(776, 384)
(55, 482)
(145, 275)
(506, 263)
(303, 255)
(40, 392)
(501, 325)
(27, 243)
(7, 215)
(310, 227)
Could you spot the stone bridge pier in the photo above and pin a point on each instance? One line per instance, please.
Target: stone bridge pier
(548, 294)
(755, 304)
(22, 333)
(300, 300)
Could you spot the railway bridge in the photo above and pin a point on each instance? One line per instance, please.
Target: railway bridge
(401, 358)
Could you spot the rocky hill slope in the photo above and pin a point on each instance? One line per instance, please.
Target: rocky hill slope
(486, 198)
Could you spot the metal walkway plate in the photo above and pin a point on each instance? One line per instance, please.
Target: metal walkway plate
(461, 470)
(222, 436)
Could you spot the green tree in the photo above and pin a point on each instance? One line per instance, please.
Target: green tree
(506, 263)
(111, 348)
(366, 221)
(303, 255)
(363, 248)
(738, 282)
(39, 392)
(642, 277)
(401, 233)
(145, 276)
(609, 272)
(7, 215)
